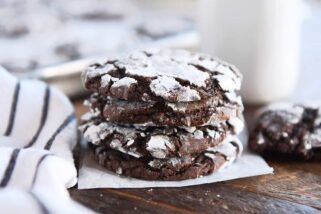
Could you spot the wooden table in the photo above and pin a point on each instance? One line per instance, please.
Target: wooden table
(295, 187)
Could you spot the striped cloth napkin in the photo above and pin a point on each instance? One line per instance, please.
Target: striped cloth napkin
(38, 130)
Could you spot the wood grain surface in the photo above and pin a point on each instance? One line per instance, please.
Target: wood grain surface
(295, 187)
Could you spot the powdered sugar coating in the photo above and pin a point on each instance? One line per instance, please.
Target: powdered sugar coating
(213, 134)
(117, 145)
(93, 72)
(96, 133)
(317, 121)
(198, 134)
(233, 98)
(124, 82)
(237, 124)
(174, 162)
(227, 84)
(231, 148)
(226, 148)
(177, 107)
(161, 64)
(228, 80)
(106, 79)
(158, 144)
(168, 87)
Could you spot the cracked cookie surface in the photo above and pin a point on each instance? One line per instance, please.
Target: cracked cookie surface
(198, 113)
(176, 168)
(156, 142)
(162, 75)
(293, 130)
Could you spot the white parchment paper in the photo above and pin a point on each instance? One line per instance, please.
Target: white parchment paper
(92, 175)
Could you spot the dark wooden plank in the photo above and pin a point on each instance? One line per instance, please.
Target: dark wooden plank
(295, 181)
(114, 201)
(220, 198)
(211, 198)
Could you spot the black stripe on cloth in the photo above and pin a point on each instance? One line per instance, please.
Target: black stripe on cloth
(43, 118)
(65, 123)
(37, 169)
(41, 205)
(13, 110)
(10, 167)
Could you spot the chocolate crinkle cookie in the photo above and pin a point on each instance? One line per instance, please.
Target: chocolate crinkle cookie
(198, 113)
(163, 75)
(292, 130)
(163, 114)
(152, 141)
(176, 168)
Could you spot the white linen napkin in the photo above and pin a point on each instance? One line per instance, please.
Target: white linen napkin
(38, 130)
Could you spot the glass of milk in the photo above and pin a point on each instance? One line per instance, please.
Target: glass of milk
(261, 37)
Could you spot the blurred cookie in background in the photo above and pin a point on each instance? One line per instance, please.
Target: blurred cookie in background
(291, 130)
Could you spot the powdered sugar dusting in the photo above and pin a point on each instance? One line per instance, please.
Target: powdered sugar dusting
(198, 134)
(189, 129)
(213, 134)
(94, 71)
(157, 146)
(168, 88)
(180, 107)
(232, 97)
(124, 82)
(227, 148)
(175, 161)
(227, 84)
(106, 79)
(237, 124)
(210, 155)
(130, 142)
(229, 78)
(117, 145)
(95, 133)
(162, 64)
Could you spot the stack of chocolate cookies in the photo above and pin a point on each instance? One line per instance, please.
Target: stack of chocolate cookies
(163, 114)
